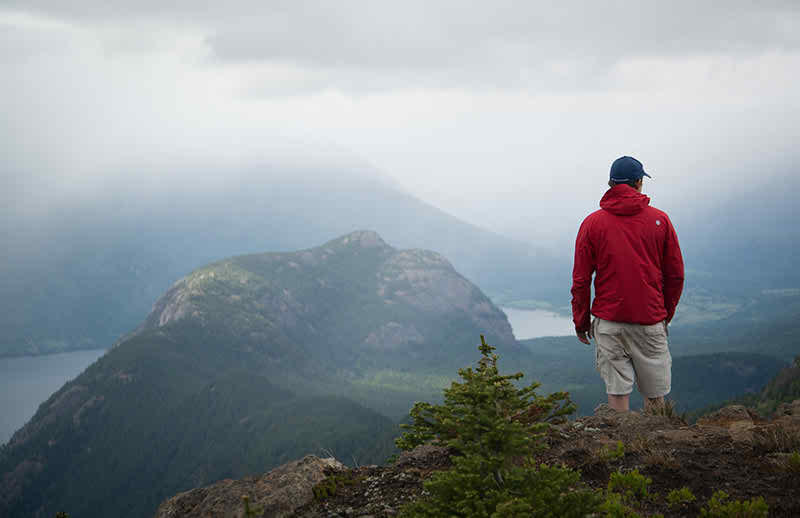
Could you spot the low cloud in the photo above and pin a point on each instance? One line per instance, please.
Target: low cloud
(503, 113)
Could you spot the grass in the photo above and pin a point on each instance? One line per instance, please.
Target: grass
(666, 409)
(777, 439)
(792, 462)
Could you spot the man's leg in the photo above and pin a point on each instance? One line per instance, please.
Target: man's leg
(614, 363)
(620, 403)
(653, 364)
(654, 404)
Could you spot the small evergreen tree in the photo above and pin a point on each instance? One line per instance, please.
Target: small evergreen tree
(493, 429)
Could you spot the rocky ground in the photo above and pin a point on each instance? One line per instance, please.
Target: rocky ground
(732, 450)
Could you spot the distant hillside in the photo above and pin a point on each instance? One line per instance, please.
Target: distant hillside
(746, 243)
(247, 363)
(563, 363)
(783, 388)
(81, 273)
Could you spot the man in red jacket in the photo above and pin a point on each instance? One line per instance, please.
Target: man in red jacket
(633, 251)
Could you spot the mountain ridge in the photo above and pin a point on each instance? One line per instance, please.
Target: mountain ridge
(244, 364)
(68, 269)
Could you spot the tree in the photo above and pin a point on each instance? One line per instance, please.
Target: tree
(493, 430)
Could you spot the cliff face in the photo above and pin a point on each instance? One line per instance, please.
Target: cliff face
(246, 364)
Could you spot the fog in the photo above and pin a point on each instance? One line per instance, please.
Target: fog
(504, 114)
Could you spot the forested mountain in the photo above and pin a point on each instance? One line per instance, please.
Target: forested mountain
(80, 273)
(247, 363)
(782, 389)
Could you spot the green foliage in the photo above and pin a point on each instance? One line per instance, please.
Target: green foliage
(606, 454)
(784, 387)
(331, 484)
(199, 416)
(792, 462)
(624, 491)
(250, 512)
(632, 485)
(614, 507)
(62, 514)
(720, 507)
(678, 497)
(486, 412)
(494, 428)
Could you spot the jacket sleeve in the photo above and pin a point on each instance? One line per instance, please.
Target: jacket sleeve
(672, 269)
(582, 270)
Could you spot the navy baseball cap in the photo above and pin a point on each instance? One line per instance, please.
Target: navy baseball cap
(626, 168)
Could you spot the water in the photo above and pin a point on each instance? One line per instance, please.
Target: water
(533, 323)
(27, 382)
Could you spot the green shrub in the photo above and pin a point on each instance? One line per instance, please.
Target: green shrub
(720, 507)
(331, 484)
(679, 497)
(493, 429)
(606, 454)
(792, 462)
(250, 512)
(614, 507)
(632, 485)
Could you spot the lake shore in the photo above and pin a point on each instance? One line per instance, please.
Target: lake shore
(536, 323)
(27, 381)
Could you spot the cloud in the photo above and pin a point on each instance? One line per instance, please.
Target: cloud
(373, 46)
(506, 114)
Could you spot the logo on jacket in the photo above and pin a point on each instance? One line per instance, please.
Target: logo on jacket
(658, 222)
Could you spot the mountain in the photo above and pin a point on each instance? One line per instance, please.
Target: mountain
(245, 364)
(81, 271)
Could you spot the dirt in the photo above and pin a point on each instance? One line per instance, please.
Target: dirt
(732, 450)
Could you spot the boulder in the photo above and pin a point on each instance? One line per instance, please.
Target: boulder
(273, 495)
(731, 416)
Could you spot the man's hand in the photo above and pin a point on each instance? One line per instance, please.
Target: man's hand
(584, 336)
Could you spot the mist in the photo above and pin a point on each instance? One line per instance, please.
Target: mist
(506, 116)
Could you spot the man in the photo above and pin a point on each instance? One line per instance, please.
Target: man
(633, 251)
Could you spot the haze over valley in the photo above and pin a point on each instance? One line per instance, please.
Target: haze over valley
(237, 235)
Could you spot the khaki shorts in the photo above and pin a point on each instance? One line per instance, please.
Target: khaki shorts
(628, 352)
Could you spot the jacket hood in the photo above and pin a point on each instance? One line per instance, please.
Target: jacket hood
(624, 200)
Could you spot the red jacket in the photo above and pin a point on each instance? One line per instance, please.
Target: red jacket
(634, 251)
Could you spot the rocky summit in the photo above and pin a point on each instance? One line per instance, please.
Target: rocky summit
(732, 449)
(246, 364)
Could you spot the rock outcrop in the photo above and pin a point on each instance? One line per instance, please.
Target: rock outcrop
(277, 493)
(710, 455)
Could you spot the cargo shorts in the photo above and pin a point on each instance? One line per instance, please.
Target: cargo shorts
(633, 352)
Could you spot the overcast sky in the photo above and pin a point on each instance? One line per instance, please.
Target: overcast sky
(506, 114)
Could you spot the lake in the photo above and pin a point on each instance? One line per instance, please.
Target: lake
(27, 382)
(533, 323)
